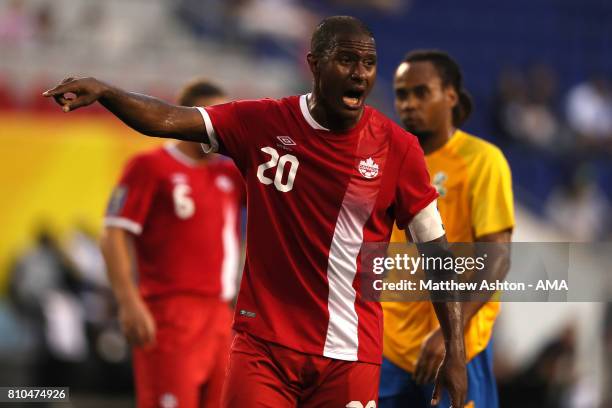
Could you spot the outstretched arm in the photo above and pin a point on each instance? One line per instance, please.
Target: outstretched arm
(145, 114)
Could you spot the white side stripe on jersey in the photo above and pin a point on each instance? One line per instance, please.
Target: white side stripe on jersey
(213, 147)
(427, 224)
(231, 253)
(342, 341)
(124, 223)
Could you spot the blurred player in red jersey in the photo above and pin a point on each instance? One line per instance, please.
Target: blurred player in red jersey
(173, 222)
(325, 173)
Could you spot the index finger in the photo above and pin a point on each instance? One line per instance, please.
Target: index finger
(60, 89)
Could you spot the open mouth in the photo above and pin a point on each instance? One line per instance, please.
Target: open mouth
(353, 99)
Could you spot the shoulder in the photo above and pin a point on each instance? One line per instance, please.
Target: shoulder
(401, 141)
(141, 169)
(475, 149)
(242, 107)
(147, 160)
(256, 110)
(265, 104)
(293, 100)
(484, 160)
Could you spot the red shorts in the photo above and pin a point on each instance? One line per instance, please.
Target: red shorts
(262, 374)
(186, 366)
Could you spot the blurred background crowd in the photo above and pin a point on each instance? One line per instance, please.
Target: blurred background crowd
(540, 74)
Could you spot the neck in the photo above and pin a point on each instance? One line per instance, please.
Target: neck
(322, 115)
(192, 150)
(437, 140)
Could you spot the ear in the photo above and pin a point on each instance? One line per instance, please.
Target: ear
(313, 63)
(451, 96)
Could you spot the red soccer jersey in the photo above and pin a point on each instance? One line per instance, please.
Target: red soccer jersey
(185, 216)
(314, 197)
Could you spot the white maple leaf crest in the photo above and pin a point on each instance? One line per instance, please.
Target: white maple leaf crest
(368, 168)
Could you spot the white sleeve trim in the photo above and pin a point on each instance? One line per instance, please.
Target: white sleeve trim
(213, 147)
(124, 223)
(427, 224)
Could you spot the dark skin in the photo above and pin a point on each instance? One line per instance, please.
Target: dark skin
(348, 67)
(194, 150)
(449, 373)
(424, 104)
(343, 78)
(432, 348)
(425, 107)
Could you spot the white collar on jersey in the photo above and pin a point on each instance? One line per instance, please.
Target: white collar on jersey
(179, 156)
(306, 113)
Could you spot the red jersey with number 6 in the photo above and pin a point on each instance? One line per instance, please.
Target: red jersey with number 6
(314, 197)
(186, 217)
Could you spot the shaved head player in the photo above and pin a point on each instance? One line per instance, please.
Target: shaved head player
(324, 174)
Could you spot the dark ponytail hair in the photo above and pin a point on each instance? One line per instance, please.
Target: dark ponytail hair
(451, 75)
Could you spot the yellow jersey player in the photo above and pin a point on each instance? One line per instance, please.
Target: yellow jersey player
(475, 187)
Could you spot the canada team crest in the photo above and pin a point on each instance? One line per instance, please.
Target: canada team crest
(368, 168)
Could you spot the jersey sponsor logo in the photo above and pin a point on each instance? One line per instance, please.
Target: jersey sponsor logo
(168, 400)
(286, 140)
(368, 168)
(438, 182)
(358, 404)
(117, 200)
(224, 184)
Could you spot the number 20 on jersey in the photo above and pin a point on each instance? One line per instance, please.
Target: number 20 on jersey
(281, 163)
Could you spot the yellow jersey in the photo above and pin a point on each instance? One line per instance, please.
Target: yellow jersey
(473, 179)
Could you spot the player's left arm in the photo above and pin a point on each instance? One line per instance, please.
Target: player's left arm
(498, 263)
(492, 224)
(417, 212)
(451, 372)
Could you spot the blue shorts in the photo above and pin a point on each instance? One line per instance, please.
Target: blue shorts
(397, 389)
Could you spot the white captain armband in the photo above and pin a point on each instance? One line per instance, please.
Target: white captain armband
(427, 224)
(213, 145)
